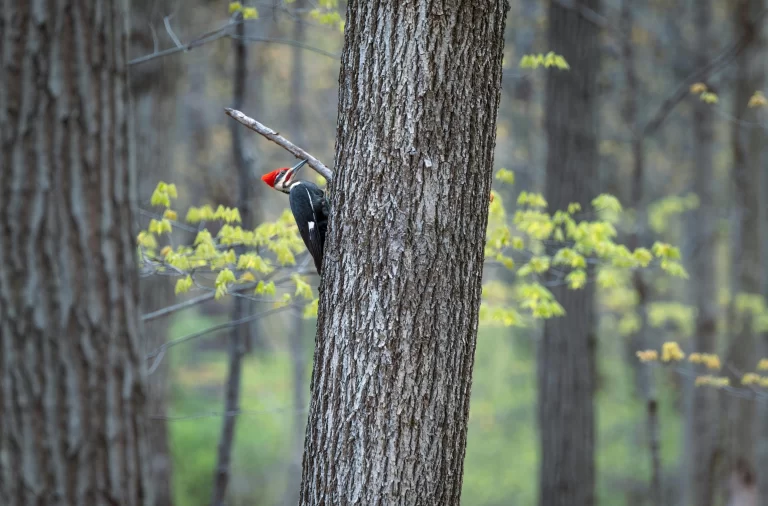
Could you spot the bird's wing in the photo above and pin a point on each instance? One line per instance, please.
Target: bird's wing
(311, 231)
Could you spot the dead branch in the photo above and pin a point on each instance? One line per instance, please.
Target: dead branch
(222, 326)
(216, 34)
(281, 141)
(288, 42)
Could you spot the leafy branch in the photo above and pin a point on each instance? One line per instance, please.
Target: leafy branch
(559, 248)
(704, 367)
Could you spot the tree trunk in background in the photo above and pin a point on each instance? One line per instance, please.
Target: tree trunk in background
(400, 295)
(640, 340)
(241, 307)
(747, 144)
(566, 362)
(154, 86)
(72, 399)
(702, 429)
(742, 489)
(296, 337)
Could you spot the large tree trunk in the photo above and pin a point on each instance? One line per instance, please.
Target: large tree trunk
(701, 428)
(397, 326)
(72, 395)
(567, 348)
(747, 143)
(154, 86)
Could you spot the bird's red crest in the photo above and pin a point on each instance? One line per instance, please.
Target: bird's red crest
(270, 178)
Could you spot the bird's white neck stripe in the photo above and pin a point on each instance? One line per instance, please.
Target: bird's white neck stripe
(311, 205)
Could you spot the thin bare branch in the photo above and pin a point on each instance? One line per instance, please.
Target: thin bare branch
(178, 307)
(174, 38)
(240, 412)
(235, 291)
(155, 41)
(216, 328)
(176, 224)
(287, 42)
(281, 141)
(218, 33)
(715, 65)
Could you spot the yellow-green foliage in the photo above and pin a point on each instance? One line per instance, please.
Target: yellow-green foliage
(751, 307)
(757, 100)
(560, 247)
(701, 90)
(534, 61)
(204, 257)
(681, 316)
(248, 12)
(661, 211)
(327, 13)
(671, 353)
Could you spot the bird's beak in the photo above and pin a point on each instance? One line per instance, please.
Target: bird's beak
(295, 169)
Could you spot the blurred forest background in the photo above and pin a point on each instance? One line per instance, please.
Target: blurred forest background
(681, 141)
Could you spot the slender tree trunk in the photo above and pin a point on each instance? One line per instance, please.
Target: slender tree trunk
(640, 339)
(702, 422)
(742, 489)
(72, 399)
(154, 86)
(400, 295)
(239, 336)
(567, 367)
(748, 161)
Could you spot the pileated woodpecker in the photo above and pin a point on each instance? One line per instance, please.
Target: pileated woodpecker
(308, 204)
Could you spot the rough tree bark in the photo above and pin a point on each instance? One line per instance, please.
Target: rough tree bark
(566, 361)
(397, 327)
(154, 86)
(72, 400)
(747, 145)
(701, 428)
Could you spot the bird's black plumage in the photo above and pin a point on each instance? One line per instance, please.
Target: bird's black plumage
(309, 206)
(310, 210)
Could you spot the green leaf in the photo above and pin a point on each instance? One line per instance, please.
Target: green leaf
(664, 250)
(303, 289)
(674, 268)
(506, 176)
(576, 279)
(310, 310)
(642, 256)
(183, 285)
